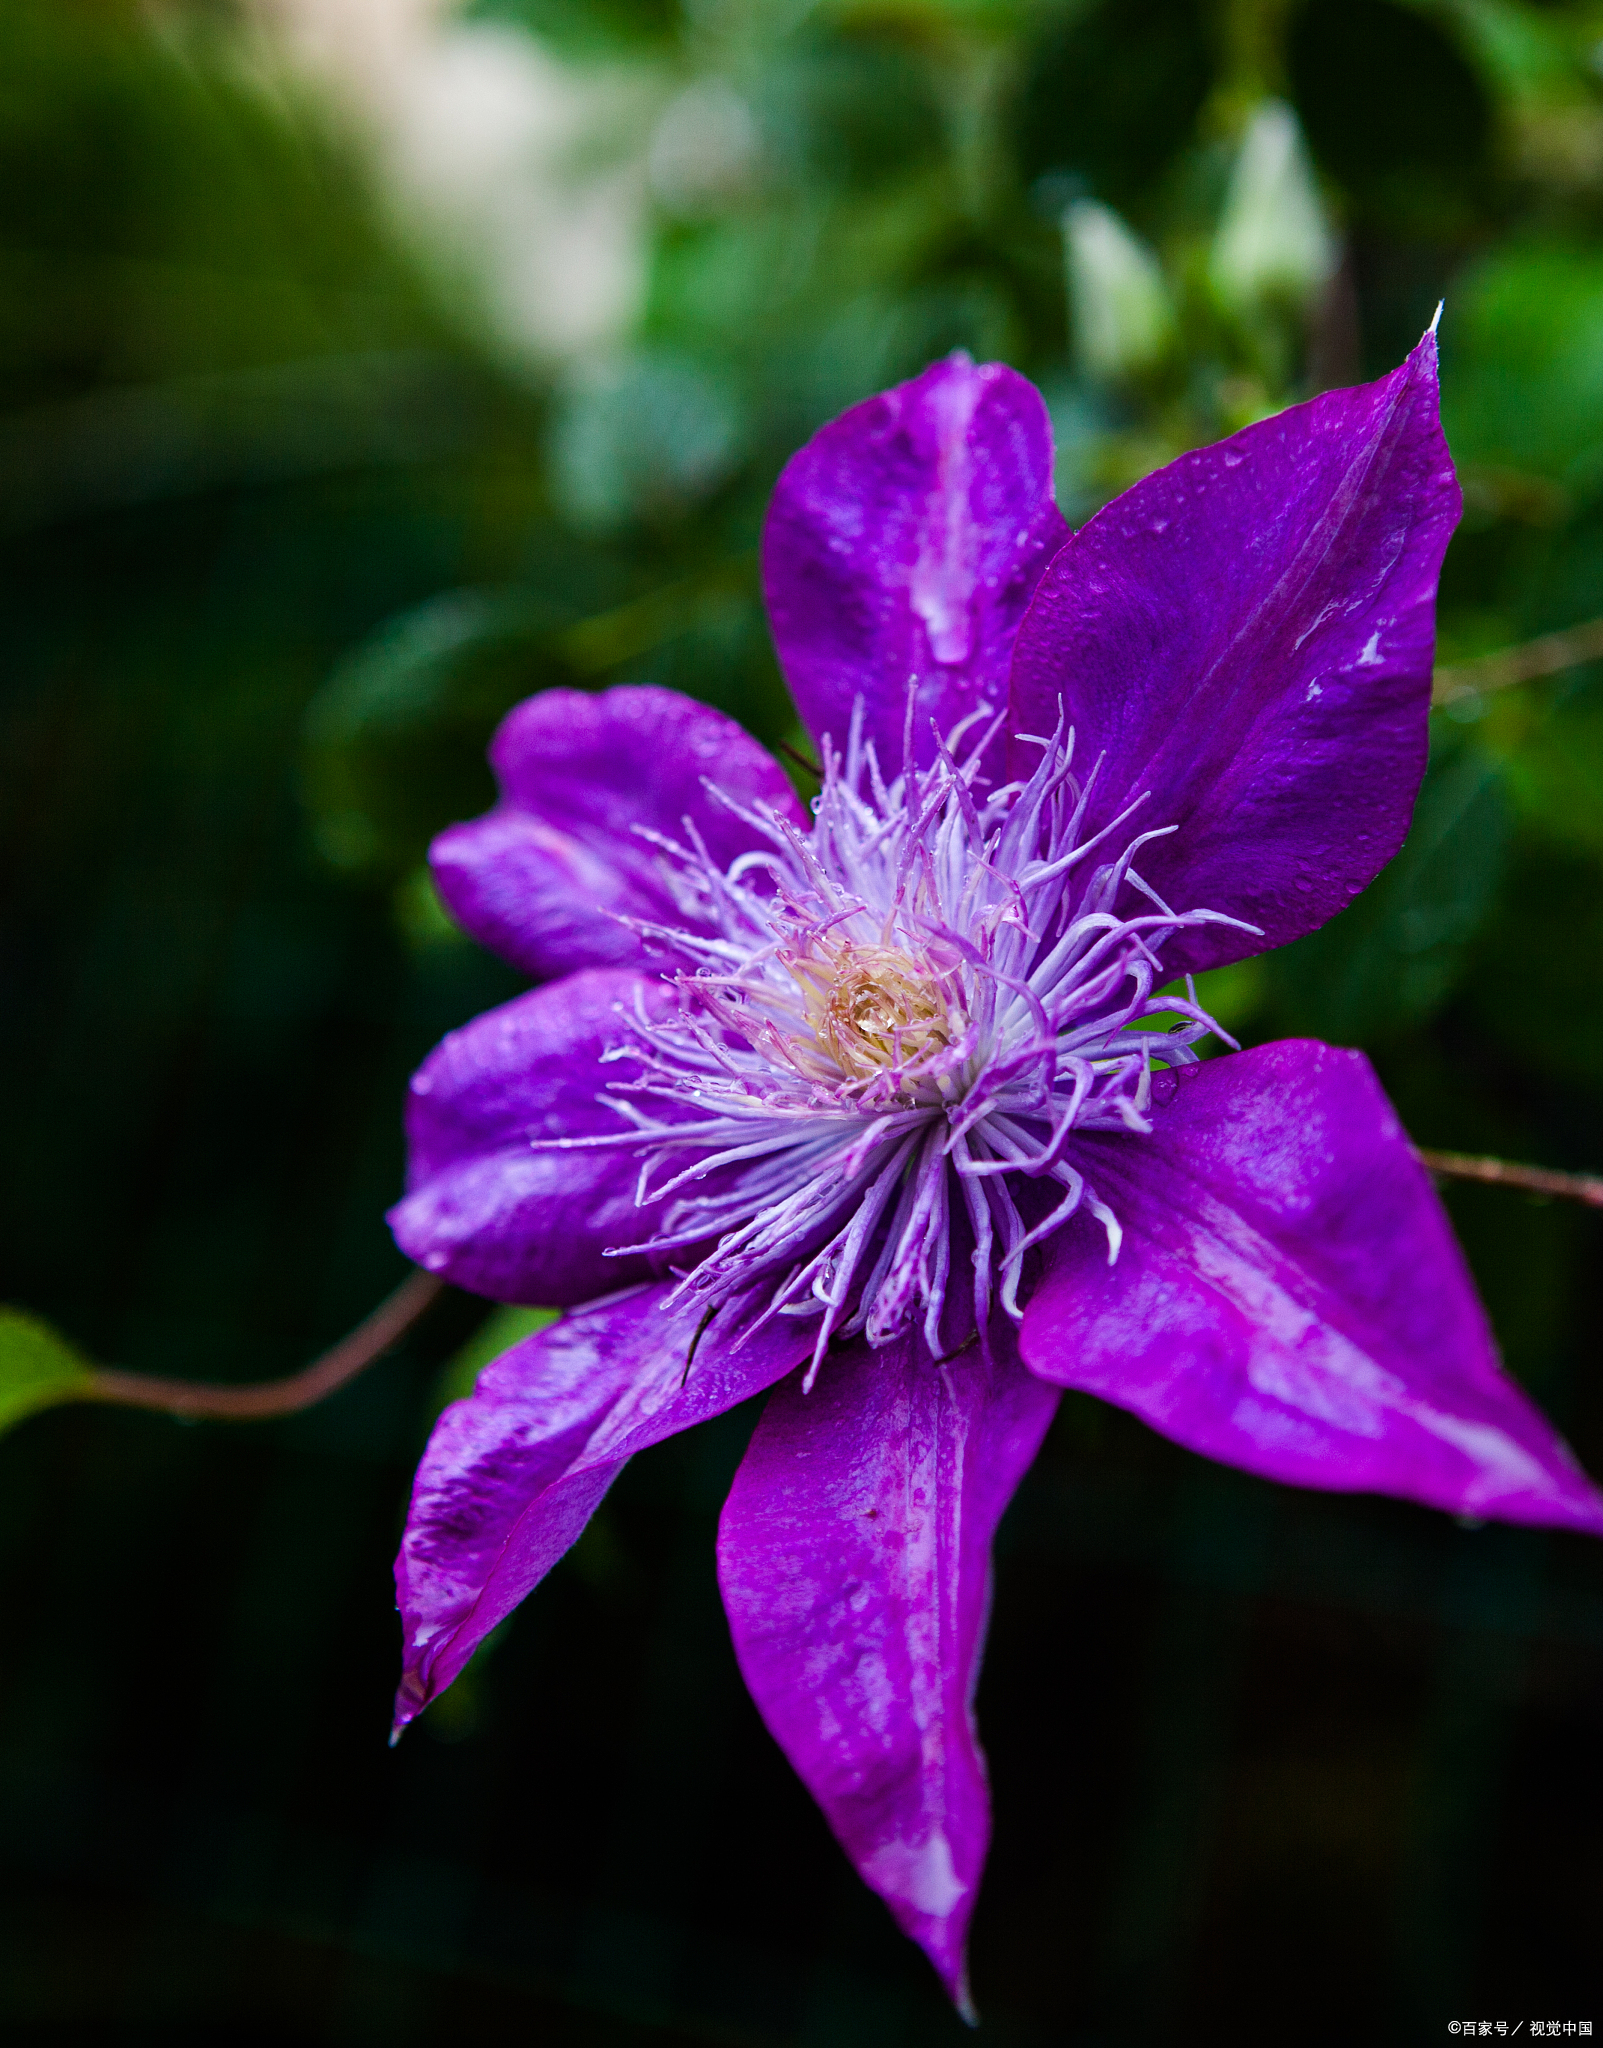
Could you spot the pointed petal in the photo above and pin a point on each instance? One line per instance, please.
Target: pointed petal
(544, 878)
(1248, 636)
(903, 543)
(483, 1208)
(1289, 1298)
(512, 1474)
(854, 1557)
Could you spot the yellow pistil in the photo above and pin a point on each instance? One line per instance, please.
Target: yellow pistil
(875, 1009)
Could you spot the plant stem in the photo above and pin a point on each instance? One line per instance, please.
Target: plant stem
(1548, 656)
(258, 1400)
(1535, 1180)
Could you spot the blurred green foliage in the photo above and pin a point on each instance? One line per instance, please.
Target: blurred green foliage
(287, 529)
(499, 1331)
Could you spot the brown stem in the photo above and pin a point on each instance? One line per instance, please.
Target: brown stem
(1548, 656)
(795, 754)
(260, 1399)
(1535, 1180)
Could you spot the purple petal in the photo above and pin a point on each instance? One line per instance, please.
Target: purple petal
(483, 1208)
(903, 543)
(1248, 635)
(544, 878)
(512, 1474)
(854, 1557)
(1290, 1298)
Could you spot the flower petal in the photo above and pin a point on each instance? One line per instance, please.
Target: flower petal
(1289, 1298)
(544, 878)
(483, 1208)
(903, 543)
(512, 1474)
(1248, 635)
(854, 1557)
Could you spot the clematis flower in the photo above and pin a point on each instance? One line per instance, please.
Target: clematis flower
(884, 1108)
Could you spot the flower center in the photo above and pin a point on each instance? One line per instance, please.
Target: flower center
(877, 1010)
(890, 1049)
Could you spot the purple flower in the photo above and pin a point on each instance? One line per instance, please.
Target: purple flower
(881, 1108)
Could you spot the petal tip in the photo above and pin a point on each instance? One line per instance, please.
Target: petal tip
(1424, 358)
(932, 1904)
(944, 1941)
(950, 1959)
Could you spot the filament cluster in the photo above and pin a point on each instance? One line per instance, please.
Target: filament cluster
(888, 1030)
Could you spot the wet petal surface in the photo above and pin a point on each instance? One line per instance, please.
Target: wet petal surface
(902, 545)
(512, 1474)
(854, 1556)
(1246, 638)
(484, 1209)
(545, 877)
(1289, 1298)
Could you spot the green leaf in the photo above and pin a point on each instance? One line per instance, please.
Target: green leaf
(1522, 384)
(38, 1368)
(1555, 775)
(1390, 962)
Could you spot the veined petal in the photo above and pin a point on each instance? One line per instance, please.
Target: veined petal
(1248, 636)
(483, 1208)
(512, 1474)
(854, 1556)
(902, 545)
(545, 877)
(1289, 1297)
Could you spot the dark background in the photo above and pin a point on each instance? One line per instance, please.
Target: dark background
(283, 533)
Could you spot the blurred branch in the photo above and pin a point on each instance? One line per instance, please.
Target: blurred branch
(260, 1400)
(1548, 656)
(600, 643)
(1534, 1180)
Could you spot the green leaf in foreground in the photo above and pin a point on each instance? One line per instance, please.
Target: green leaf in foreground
(38, 1368)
